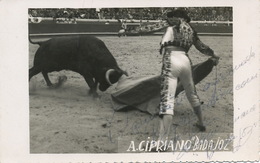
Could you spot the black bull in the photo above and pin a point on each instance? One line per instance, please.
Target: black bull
(86, 55)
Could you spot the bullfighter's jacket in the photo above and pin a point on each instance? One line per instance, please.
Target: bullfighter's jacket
(183, 35)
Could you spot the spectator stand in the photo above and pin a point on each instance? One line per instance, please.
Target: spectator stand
(135, 21)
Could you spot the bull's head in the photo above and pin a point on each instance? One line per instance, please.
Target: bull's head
(111, 77)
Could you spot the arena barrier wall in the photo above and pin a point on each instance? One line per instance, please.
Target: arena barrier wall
(62, 26)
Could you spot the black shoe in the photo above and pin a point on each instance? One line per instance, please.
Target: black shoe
(201, 128)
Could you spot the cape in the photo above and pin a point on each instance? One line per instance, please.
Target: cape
(143, 93)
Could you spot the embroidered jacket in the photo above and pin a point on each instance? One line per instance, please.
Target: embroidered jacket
(184, 36)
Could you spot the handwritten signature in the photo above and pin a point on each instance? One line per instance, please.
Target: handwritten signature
(245, 61)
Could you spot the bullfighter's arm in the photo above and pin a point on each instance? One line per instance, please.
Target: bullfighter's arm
(203, 48)
(150, 28)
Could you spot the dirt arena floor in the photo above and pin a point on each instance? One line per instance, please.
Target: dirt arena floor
(68, 120)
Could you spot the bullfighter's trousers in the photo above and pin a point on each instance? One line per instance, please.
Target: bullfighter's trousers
(176, 64)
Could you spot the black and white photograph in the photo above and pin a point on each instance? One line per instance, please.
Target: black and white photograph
(154, 82)
(97, 79)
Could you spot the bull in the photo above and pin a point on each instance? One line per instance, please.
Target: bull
(86, 55)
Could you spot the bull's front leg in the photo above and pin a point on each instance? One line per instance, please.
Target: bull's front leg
(92, 85)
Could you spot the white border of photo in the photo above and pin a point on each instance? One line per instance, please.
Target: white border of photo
(14, 96)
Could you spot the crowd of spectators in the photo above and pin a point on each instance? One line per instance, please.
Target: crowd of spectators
(196, 13)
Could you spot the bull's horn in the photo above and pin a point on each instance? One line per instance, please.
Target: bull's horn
(124, 72)
(110, 71)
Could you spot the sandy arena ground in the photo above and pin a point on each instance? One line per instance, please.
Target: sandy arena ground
(68, 120)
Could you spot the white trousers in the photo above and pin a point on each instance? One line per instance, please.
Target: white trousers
(176, 65)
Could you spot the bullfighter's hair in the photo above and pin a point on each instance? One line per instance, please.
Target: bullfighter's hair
(179, 13)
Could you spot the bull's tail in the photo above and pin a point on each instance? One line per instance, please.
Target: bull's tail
(32, 42)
